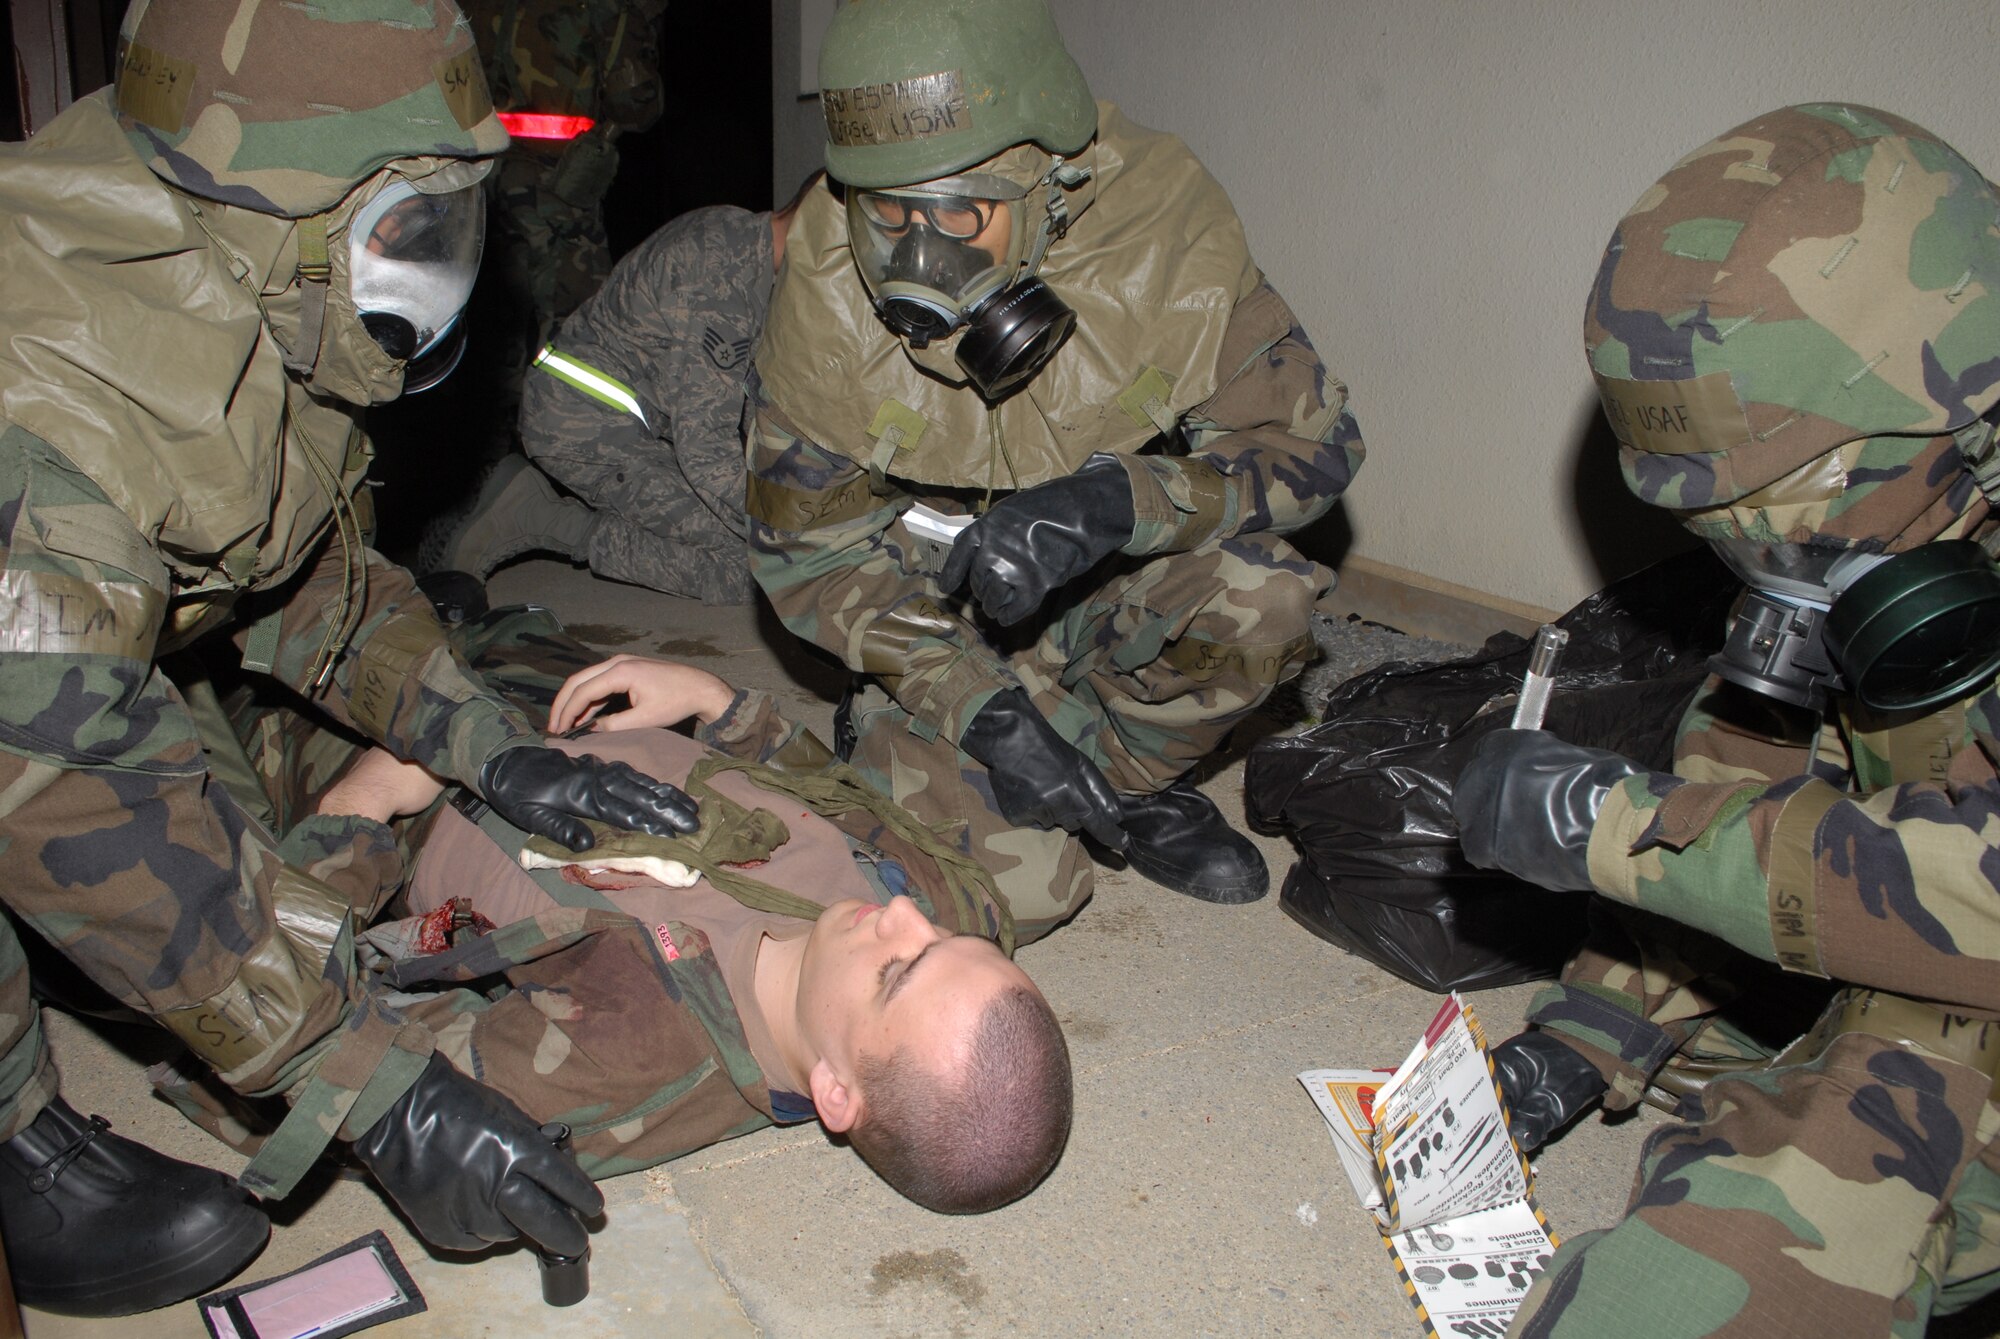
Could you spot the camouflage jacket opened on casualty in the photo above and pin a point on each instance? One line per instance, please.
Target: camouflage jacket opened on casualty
(1176, 328)
(164, 477)
(1876, 863)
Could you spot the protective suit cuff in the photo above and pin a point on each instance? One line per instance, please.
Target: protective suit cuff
(755, 730)
(1178, 503)
(1671, 847)
(376, 1060)
(745, 719)
(471, 778)
(480, 729)
(1613, 861)
(1606, 1028)
(358, 857)
(954, 695)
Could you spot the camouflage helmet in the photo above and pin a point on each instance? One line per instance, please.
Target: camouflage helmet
(1789, 326)
(914, 90)
(284, 108)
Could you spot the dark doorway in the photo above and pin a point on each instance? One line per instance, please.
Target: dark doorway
(711, 145)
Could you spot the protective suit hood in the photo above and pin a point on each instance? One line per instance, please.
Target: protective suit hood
(133, 349)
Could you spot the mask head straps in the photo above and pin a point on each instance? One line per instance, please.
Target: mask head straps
(315, 274)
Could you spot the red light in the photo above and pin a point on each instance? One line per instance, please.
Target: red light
(544, 125)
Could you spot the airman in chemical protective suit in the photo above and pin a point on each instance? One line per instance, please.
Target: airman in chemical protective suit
(1014, 311)
(1796, 336)
(269, 223)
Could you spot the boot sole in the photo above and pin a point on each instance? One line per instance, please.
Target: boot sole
(1227, 892)
(158, 1281)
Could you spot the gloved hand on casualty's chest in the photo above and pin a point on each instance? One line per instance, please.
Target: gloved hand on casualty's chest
(550, 793)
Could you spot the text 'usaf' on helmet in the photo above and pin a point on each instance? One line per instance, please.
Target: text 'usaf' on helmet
(1819, 279)
(283, 108)
(919, 89)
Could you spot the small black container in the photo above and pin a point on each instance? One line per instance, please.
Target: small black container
(565, 1278)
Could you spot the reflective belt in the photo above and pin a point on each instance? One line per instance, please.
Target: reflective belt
(577, 373)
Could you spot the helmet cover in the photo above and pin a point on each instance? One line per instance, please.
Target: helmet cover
(919, 89)
(1788, 327)
(284, 108)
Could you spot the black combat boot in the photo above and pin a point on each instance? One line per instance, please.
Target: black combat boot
(96, 1225)
(1547, 1085)
(1181, 841)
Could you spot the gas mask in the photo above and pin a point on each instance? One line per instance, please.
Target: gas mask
(1904, 632)
(411, 260)
(953, 261)
(383, 278)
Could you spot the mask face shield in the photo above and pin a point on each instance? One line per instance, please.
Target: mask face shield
(411, 260)
(929, 254)
(1804, 574)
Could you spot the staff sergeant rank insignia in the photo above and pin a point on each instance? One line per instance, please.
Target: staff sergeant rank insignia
(898, 112)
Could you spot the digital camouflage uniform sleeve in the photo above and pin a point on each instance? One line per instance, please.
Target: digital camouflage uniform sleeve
(1278, 434)
(1272, 450)
(652, 366)
(1894, 886)
(118, 846)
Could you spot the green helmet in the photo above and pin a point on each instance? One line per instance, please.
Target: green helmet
(919, 89)
(284, 108)
(1790, 326)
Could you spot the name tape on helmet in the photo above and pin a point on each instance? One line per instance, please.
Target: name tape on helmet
(463, 84)
(153, 87)
(1675, 418)
(897, 113)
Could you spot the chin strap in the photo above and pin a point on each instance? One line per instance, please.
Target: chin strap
(315, 274)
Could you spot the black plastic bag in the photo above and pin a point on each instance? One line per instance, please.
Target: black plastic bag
(1367, 793)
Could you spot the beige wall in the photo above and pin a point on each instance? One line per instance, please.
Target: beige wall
(1431, 182)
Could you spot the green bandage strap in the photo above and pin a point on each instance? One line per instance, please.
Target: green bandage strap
(598, 385)
(838, 790)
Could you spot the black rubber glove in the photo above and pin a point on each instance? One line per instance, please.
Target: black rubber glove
(1041, 538)
(1526, 802)
(468, 1167)
(1547, 1085)
(1039, 779)
(547, 791)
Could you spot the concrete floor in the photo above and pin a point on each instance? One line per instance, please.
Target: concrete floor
(1200, 1194)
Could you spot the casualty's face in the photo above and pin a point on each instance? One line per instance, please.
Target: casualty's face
(878, 979)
